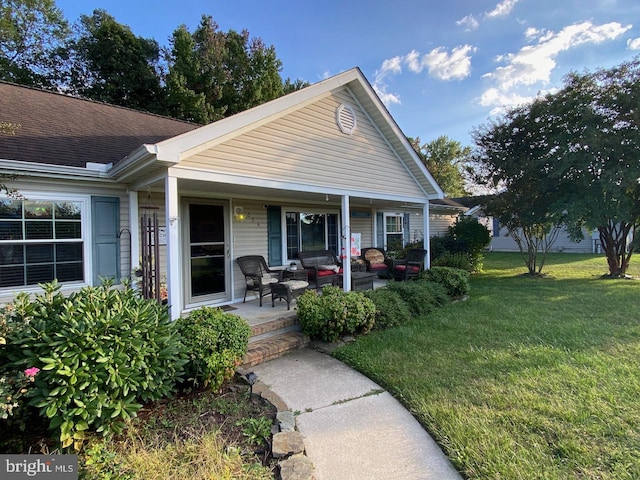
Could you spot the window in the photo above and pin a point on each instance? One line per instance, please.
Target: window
(40, 240)
(393, 232)
(311, 231)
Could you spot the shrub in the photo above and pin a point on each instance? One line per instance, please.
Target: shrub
(454, 280)
(335, 313)
(458, 260)
(391, 310)
(475, 237)
(421, 296)
(101, 351)
(216, 342)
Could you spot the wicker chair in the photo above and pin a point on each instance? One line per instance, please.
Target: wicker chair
(410, 266)
(258, 276)
(376, 261)
(322, 265)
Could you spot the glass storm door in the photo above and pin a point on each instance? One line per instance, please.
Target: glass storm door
(207, 252)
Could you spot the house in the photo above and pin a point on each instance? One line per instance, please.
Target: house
(305, 171)
(501, 241)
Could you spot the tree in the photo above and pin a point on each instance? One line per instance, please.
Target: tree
(113, 65)
(213, 74)
(33, 35)
(509, 153)
(573, 158)
(597, 141)
(445, 159)
(8, 128)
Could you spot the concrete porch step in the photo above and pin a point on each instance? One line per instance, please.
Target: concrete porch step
(274, 346)
(279, 325)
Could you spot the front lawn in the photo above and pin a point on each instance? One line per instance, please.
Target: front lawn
(529, 378)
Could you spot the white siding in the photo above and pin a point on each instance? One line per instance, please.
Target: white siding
(308, 147)
(504, 243)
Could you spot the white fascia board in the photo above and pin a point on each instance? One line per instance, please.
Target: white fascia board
(189, 143)
(133, 162)
(35, 169)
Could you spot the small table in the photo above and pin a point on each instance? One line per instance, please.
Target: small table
(287, 290)
(360, 281)
(300, 274)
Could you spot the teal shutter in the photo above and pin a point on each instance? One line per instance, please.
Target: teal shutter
(380, 243)
(105, 226)
(407, 228)
(274, 235)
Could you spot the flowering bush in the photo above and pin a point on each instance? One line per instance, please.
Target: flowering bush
(102, 352)
(12, 387)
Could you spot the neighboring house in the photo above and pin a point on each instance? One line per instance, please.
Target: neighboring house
(443, 214)
(301, 172)
(501, 241)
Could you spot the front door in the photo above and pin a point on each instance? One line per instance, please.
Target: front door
(207, 252)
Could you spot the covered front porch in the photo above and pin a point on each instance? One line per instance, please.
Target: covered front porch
(313, 170)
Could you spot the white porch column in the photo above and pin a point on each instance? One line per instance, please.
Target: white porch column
(425, 229)
(134, 228)
(346, 243)
(172, 209)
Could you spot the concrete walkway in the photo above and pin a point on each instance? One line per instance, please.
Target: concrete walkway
(352, 428)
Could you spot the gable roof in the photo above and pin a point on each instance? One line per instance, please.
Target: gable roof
(59, 129)
(172, 150)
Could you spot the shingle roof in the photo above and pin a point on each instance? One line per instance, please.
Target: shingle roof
(62, 130)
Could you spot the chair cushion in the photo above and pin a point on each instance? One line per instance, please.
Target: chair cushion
(326, 273)
(374, 256)
(378, 266)
(266, 280)
(411, 268)
(295, 284)
(332, 268)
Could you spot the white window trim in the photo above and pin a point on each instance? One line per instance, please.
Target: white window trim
(384, 227)
(85, 212)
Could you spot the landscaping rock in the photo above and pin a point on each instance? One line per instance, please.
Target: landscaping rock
(286, 420)
(287, 443)
(275, 400)
(297, 467)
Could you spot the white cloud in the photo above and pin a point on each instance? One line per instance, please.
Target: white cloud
(533, 64)
(469, 23)
(449, 66)
(441, 65)
(502, 9)
(633, 44)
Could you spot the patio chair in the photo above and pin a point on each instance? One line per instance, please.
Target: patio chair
(376, 261)
(323, 266)
(409, 267)
(258, 276)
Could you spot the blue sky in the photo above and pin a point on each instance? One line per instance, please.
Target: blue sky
(441, 68)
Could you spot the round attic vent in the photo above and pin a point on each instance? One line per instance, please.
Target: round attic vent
(346, 118)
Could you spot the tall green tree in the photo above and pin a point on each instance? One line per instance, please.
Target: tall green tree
(113, 65)
(596, 123)
(573, 158)
(33, 36)
(510, 152)
(445, 159)
(213, 74)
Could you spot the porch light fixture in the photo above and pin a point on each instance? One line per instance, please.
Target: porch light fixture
(238, 213)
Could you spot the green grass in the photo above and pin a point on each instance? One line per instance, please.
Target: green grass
(535, 378)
